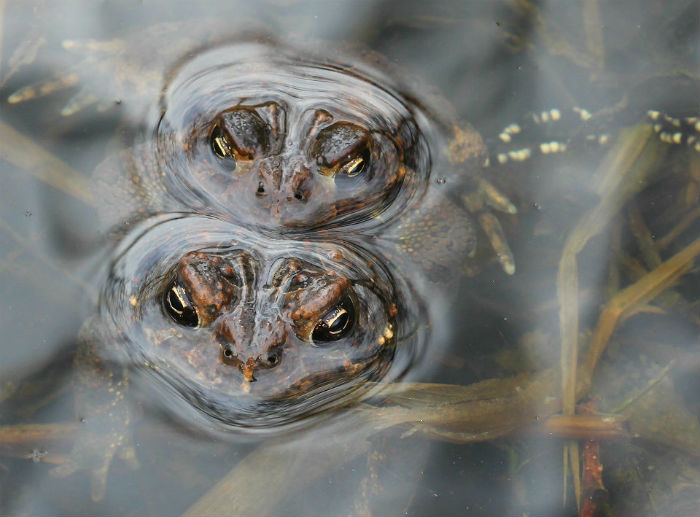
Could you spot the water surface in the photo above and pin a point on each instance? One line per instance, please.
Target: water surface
(491, 64)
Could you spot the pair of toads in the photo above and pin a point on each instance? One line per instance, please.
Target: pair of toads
(288, 215)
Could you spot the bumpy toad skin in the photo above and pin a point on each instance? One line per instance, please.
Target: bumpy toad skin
(254, 328)
(275, 167)
(237, 147)
(231, 326)
(250, 332)
(254, 332)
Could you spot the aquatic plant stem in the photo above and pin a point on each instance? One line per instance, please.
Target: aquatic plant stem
(28, 156)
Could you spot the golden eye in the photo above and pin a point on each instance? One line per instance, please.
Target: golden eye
(336, 323)
(179, 307)
(355, 165)
(222, 147)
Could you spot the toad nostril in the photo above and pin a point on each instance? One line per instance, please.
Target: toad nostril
(299, 195)
(273, 359)
(228, 355)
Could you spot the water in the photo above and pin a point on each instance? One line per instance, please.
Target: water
(486, 63)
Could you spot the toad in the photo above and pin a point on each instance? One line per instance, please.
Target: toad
(251, 333)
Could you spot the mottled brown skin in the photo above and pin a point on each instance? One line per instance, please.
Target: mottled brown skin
(325, 172)
(435, 229)
(253, 333)
(281, 177)
(284, 191)
(252, 326)
(232, 310)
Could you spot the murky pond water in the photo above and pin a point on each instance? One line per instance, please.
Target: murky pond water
(253, 259)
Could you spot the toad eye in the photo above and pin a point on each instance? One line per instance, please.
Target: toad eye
(179, 307)
(222, 147)
(355, 166)
(342, 151)
(335, 324)
(239, 135)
